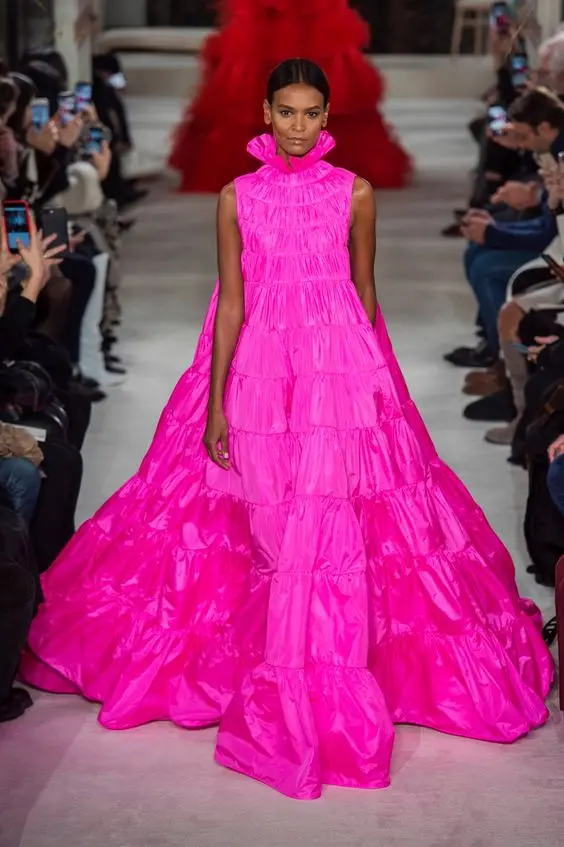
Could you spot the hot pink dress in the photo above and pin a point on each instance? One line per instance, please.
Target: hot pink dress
(339, 579)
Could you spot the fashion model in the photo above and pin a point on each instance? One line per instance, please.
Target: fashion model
(293, 562)
(209, 145)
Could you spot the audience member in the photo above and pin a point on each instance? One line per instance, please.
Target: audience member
(59, 310)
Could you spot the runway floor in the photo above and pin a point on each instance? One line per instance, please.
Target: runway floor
(66, 782)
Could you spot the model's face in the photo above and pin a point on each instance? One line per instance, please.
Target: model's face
(297, 116)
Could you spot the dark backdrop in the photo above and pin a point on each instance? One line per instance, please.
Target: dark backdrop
(397, 26)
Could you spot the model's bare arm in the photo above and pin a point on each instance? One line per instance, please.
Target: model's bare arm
(228, 322)
(362, 245)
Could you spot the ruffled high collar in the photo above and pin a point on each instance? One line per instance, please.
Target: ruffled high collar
(263, 148)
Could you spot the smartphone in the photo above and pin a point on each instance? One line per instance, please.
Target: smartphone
(522, 348)
(520, 70)
(17, 224)
(498, 119)
(67, 106)
(557, 269)
(82, 96)
(96, 137)
(54, 221)
(40, 113)
(501, 18)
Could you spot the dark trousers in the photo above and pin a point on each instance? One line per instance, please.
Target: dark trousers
(555, 482)
(81, 273)
(19, 589)
(79, 412)
(54, 521)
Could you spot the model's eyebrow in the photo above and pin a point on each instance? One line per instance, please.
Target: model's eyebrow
(292, 109)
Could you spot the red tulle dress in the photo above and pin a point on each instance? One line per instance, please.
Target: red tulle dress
(209, 146)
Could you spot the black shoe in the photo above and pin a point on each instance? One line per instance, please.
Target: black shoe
(472, 357)
(125, 224)
(451, 231)
(95, 395)
(550, 632)
(23, 696)
(115, 369)
(496, 408)
(130, 197)
(15, 705)
(88, 382)
(544, 579)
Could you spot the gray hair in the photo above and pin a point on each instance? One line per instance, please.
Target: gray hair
(552, 50)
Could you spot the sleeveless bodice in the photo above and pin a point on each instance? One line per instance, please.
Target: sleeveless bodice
(294, 217)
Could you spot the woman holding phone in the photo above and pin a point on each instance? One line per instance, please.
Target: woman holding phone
(293, 562)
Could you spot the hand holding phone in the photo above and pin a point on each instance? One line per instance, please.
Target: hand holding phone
(501, 18)
(520, 70)
(83, 96)
(67, 106)
(522, 348)
(40, 113)
(498, 119)
(55, 226)
(17, 225)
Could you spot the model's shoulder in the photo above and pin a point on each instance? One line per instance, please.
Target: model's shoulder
(362, 188)
(227, 193)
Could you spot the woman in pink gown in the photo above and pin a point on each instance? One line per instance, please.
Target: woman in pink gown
(310, 573)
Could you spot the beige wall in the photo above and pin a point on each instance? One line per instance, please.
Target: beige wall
(549, 15)
(77, 57)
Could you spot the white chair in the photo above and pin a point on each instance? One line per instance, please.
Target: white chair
(471, 15)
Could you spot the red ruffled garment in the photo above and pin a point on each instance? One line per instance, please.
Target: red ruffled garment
(209, 146)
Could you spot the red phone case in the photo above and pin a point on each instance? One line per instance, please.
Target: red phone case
(24, 205)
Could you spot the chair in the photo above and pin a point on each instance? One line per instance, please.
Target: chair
(474, 15)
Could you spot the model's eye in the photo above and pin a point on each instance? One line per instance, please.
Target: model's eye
(313, 115)
(285, 113)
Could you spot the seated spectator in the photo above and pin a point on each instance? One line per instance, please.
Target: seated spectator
(19, 595)
(108, 80)
(499, 160)
(20, 477)
(555, 477)
(8, 148)
(497, 249)
(49, 172)
(51, 517)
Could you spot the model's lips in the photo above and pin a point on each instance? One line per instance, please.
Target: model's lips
(296, 140)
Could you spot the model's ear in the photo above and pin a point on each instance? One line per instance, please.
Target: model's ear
(326, 116)
(267, 113)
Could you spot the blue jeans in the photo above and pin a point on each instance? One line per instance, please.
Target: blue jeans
(21, 481)
(555, 482)
(488, 272)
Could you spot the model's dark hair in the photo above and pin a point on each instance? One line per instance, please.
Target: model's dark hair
(536, 107)
(294, 71)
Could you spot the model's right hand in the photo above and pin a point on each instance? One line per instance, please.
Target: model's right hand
(216, 439)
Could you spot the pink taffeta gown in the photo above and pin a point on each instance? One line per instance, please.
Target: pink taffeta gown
(339, 579)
